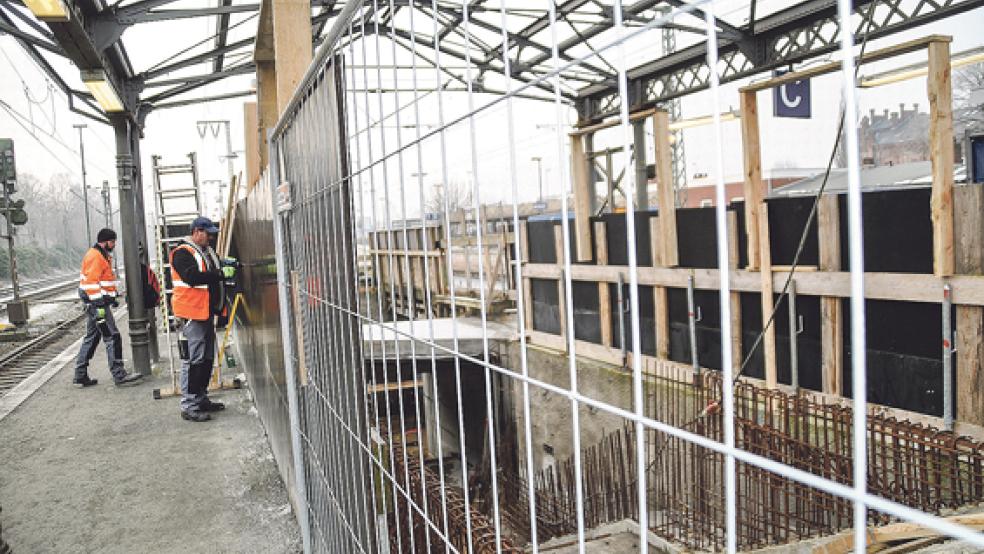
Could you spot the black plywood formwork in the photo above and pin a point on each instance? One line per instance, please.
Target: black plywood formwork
(587, 322)
(618, 246)
(787, 217)
(898, 232)
(546, 305)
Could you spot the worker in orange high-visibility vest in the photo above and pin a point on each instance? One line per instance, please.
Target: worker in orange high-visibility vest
(197, 280)
(97, 288)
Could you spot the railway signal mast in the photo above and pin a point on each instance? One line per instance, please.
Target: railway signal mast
(13, 212)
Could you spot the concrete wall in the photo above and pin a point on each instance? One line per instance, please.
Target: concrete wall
(550, 413)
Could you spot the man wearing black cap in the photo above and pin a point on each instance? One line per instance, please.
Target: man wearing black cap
(198, 297)
(97, 288)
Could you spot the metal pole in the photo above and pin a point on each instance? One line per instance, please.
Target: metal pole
(793, 333)
(692, 323)
(10, 243)
(85, 188)
(293, 411)
(539, 174)
(141, 217)
(947, 358)
(108, 211)
(107, 205)
(229, 156)
(131, 261)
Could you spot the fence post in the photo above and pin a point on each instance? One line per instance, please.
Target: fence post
(293, 414)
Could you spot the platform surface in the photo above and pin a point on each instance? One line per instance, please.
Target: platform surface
(108, 469)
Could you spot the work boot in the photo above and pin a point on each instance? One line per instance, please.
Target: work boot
(128, 379)
(85, 382)
(195, 416)
(209, 406)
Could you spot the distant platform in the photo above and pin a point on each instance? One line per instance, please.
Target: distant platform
(397, 335)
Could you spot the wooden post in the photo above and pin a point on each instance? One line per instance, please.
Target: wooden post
(831, 332)
(664, 188)
(736, 335)
(639, 150)
(604, 295)
(661, 315)
(583, 193)
(941, 154)
(266, 79)
(753, 174)
(969, 230)
(561, 291)
(769, 340)
(524, 253)
(291, 46)
(251, 139)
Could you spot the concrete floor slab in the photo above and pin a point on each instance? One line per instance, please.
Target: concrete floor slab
(469, 336)
(109, 469)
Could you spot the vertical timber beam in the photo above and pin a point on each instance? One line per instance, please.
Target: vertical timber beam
(583, 198)
(266, 82)
(252, 141)
(969, 230)
(661, 311)
(665, 190)
(769, 339)
(291, 46)
(604, 294)
(831, 331)
(561, 293)
(753, 174)
(524, 258)
(129, 221)
(736, 334)
(940, 93)
(639, 155)
(266, 97)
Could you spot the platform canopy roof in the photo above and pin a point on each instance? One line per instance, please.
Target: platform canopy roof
(161, 53)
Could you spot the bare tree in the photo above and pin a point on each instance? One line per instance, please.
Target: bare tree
(968, 97)
(458, 194)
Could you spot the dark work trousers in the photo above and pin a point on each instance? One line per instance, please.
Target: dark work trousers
(110, 335)
(196, 371)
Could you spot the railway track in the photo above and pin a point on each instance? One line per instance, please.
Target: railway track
(27, 358)
(38, 289)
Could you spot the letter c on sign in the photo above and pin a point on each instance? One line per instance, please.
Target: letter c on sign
(785, 98)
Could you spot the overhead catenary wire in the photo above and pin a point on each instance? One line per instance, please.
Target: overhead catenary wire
(21, 119)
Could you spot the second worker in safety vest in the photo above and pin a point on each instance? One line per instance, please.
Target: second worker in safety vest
(197, 281)
(97, 289)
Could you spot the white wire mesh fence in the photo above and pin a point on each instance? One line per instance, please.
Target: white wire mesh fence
(421, 413)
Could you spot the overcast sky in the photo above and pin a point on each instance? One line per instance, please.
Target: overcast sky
(173, 133)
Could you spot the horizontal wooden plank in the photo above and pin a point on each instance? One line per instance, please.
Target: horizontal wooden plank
(611, 123)
(889, 52)
(401, 252)
(488, 240)
(968, 290)
(381, 387)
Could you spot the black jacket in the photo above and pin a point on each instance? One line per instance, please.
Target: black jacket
(187, 268)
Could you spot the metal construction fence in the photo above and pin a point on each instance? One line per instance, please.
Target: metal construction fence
(409, 432)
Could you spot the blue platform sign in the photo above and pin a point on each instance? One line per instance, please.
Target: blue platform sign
(792, 99)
